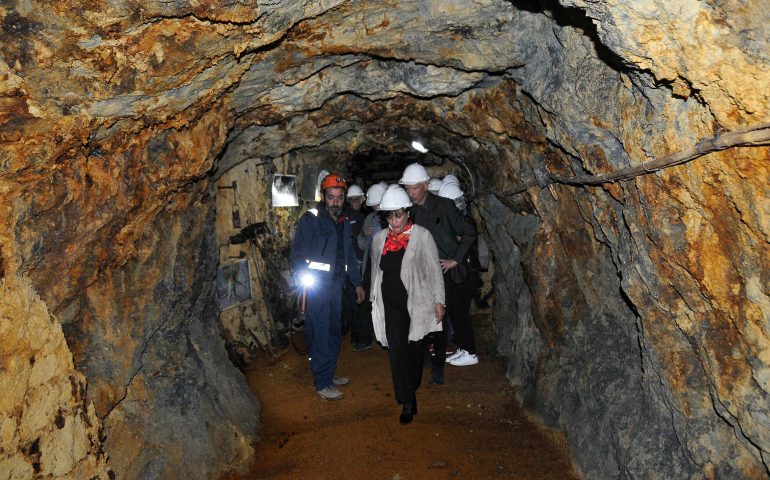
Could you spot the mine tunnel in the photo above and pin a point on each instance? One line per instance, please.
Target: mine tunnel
(614, 156)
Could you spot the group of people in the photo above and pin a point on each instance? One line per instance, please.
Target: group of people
(403, 275)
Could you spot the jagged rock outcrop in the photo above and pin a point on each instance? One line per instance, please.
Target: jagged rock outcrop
(634, 315)
(48, 428)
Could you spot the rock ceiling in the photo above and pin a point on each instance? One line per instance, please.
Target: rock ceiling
(647, 298)
(280, 68)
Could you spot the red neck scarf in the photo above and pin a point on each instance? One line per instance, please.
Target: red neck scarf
(396, 241)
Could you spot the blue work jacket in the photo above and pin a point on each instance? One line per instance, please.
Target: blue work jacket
(315, 240)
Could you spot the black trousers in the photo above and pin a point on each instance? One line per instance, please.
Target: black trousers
(362, 329)
(405, 356)
(458, 306)
(349, 306)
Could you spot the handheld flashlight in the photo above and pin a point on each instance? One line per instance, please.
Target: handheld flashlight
(307, 280)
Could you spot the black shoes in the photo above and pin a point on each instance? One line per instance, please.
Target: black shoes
(408, 411)
(362, 347)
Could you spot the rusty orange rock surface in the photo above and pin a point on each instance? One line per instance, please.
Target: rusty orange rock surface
(634, 316)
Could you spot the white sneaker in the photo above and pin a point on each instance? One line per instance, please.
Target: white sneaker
(330, 393)
(340, 381)
(464, 359)
(457, 353)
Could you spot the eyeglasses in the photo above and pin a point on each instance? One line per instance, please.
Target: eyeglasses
(395, 214)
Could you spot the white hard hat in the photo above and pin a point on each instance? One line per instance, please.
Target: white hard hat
(414, 174)
(374, 194)
(394, 199)
(354, 191)
(451, 179)
(434, 185)
(450, 191)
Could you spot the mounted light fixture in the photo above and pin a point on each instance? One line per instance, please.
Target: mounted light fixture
(419, 147)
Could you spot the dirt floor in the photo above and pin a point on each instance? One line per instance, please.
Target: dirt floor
(470, 428)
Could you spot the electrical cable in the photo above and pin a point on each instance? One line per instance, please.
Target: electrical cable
(757, 135)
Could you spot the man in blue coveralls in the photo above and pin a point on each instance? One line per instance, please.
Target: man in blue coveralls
(323, 248)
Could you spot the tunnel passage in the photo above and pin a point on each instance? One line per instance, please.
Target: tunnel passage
(633, 314)
(254, 241)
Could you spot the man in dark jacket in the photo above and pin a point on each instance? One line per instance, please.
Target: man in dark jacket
(455, 235)
(323, 249)
(350, 314)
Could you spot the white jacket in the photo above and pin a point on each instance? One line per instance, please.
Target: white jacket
(422, 278)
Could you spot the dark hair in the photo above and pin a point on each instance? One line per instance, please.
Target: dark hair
(383, 214)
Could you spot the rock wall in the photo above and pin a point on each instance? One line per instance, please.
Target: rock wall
(641, 306)
(48, 428)
(116, 232)
(147, 335)
(635, 315)
(245, 320)
(249, 229)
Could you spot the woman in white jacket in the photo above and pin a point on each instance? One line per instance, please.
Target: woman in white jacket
(407, 295)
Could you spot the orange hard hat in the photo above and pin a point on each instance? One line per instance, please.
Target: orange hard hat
(333, 180)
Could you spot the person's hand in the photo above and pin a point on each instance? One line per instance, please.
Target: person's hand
(360, 294)
(367, 231)
(439, 312)
(447, 264)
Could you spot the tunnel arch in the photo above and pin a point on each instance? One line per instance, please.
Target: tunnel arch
(634, 314)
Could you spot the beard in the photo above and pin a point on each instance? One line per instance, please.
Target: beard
(335, 210)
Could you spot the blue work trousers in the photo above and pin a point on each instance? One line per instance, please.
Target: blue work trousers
(323, 330)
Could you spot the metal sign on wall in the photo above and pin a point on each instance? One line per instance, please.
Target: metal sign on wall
(233, 284)
(284, 191)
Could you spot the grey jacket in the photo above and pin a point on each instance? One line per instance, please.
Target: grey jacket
(364, 242)
(422, 278)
